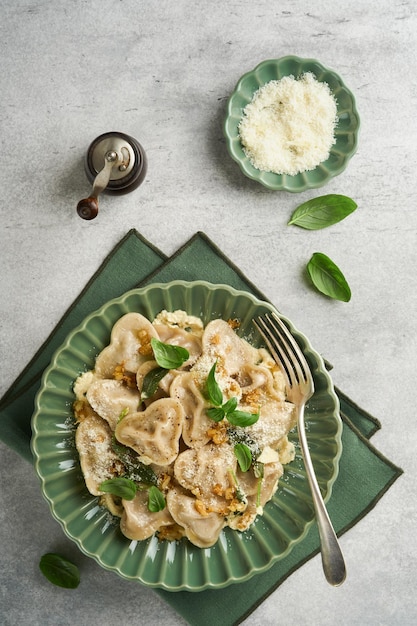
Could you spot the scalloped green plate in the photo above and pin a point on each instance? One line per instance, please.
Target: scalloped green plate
(346, 132)
(179, 565)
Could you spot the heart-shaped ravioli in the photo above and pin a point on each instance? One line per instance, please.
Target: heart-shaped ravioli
(202, 530)
(129, 346)
(110, 398)
(138, 522)
(154, 433)
(98, 461)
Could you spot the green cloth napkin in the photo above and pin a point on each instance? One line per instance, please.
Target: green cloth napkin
(364, 474)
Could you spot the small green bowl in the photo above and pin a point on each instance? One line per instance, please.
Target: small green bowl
(346, 132)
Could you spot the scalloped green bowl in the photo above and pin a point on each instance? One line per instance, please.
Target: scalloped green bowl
(176, 566)
(346, 132)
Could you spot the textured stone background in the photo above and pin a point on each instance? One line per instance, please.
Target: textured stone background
(162, 71)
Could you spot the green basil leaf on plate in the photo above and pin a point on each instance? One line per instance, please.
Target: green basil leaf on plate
(119, 486)
(242, 418)
(142, 475)
(214, 392)
(328, 278)
(215, 413)
(230, 406)
(168, 356)
(322, 211)
(156, 500)
(243, 455)
(59, 571)
(151, 381)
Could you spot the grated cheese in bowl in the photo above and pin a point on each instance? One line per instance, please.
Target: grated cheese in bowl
(288, 127)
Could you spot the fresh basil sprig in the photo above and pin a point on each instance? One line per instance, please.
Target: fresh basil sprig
(125, 488)
(322, 212)
(227, 410)
(59, 571)
(328, 278)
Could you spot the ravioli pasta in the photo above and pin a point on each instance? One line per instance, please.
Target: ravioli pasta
(171, 436)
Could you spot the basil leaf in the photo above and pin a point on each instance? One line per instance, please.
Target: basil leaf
(168, 356)
(328, 278)
(151, 381)
(119, 486)
(243, 455)
(156, 500)
(241, 418)
(135, 469)
(213, 390)
(215, 413)
(59, 571)
(237, 435)
(323, 211)
(230, 406)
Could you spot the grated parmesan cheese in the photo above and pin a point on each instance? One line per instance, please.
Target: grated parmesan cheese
(82, 384)
(288, 127)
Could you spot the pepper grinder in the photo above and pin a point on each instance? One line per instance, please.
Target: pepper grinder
(115, 163)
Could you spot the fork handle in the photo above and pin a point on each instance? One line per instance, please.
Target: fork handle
(331, 554)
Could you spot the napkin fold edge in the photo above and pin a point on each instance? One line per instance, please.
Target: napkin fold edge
(201, 235)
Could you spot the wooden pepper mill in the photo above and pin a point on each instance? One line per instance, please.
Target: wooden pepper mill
(115, 163)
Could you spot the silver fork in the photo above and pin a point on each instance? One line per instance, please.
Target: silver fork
(300, 388)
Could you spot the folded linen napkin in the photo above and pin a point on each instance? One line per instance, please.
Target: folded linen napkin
(364, 474)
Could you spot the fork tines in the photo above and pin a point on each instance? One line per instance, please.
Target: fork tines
(283, 348)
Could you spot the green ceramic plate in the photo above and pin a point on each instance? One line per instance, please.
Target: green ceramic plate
(176, 565)
(346, 132)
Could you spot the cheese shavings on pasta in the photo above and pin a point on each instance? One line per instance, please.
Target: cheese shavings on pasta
(191, 457)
